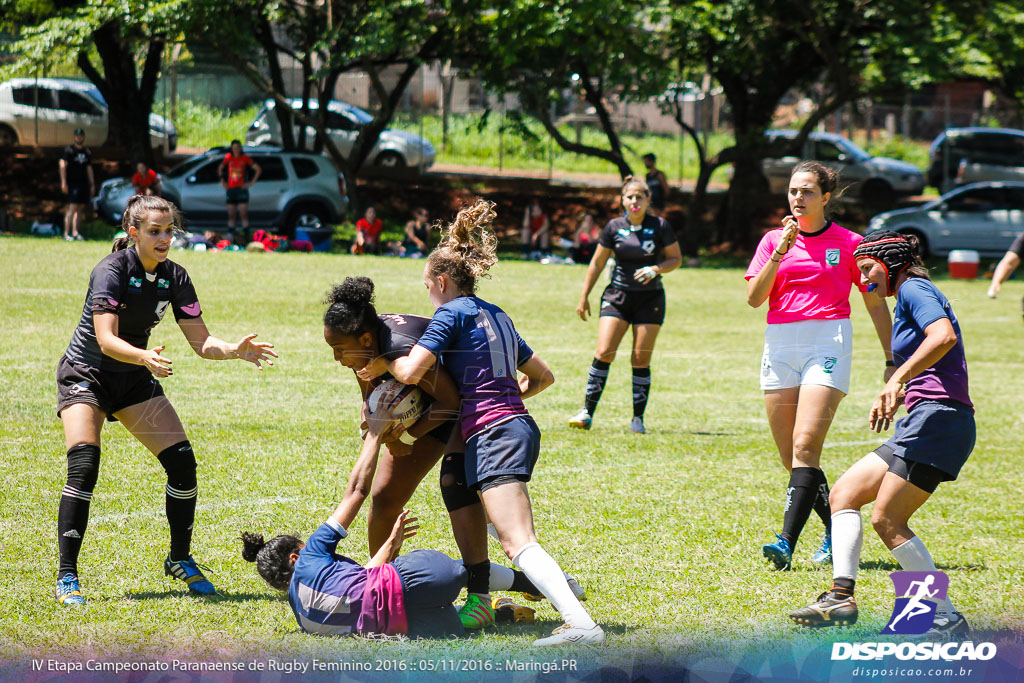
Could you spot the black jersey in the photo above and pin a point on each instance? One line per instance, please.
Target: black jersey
(398, 333)
(657, 189)
(119, 284)
(636, 247)
(77, 160)
(1018, 246)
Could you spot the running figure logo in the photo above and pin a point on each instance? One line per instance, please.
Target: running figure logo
(916, 594)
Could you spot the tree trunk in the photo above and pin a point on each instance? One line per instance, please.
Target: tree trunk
(447, 90)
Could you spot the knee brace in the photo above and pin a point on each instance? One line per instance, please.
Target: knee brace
(180, 464)
(454, 492)
(83, 470)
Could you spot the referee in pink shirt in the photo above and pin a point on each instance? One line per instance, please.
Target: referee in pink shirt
(805, 270)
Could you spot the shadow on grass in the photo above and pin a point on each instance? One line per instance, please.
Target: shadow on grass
(890, 566)
(221, 596)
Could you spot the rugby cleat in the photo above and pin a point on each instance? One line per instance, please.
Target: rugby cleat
(68, 592)
(507, 611)
(581, 420)
(574, 586)
(823, 555)
(572, 635)
(476, 613)
(189, 571)
(637, 425)
(828, 610)
(947, 627)
(779, 553)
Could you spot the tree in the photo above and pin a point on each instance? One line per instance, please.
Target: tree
(760, 50)
(992, 48)
(126, 36)
(541, 50)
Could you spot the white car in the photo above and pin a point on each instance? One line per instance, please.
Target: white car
(45, 112)
(394, 148)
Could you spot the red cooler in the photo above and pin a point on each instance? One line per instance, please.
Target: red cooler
(963, 264)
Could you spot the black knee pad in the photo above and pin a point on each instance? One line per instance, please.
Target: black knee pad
(454, 492)
(180, 464)
(83, 466)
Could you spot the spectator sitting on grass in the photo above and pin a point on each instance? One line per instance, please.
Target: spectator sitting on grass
(145, 180)
(368, 229)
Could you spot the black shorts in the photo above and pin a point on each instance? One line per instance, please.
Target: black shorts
(109, 391)
(237, 195)
(443, 431)
(635, 307)
(78, 194)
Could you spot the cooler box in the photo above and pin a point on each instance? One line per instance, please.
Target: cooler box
(319, 237)
(963, 264)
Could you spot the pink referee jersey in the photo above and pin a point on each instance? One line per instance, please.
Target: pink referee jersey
(815, 276)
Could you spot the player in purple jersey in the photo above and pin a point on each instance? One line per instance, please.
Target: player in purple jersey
(109, 372)
(358, 336)
(480, 347)
(392, 594)
(929, 445)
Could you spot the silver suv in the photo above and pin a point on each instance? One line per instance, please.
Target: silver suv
(394, 149)
(294, 190)
(45, 112)
(873, 180)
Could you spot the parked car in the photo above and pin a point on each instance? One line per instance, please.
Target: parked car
(294, 190)
(394, 148)
(875, 180)
(45, 112)
(985, 217)
(959, 156)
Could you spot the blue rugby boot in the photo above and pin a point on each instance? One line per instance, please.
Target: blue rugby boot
(190, 572)
(823, 555)
(68, 592)
(779, 553)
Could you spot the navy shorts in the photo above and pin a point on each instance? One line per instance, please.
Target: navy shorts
(237, 195)
(936, 433)
(78, 194)
(109, 391)
(431, 581)
(510, 448)
(636, 308)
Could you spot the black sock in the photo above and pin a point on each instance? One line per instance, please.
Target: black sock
(821, 505)
(180, 501)
(641, 390)
(479, 577)
(73, 512)
(842, 587)
(521, 584)
(596, 379)
(803, 489)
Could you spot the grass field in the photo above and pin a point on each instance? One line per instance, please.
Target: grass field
(663, 530)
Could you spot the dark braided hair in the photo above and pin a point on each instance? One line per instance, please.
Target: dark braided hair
(350, 308)
(271, 557)
(895, 252)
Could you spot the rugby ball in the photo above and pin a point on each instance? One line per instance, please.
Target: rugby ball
(406, 401)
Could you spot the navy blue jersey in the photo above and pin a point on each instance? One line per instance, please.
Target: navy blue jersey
(326, 590)
(119, 284)
(636, 247)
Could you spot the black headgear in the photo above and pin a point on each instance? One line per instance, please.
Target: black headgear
(889, 249)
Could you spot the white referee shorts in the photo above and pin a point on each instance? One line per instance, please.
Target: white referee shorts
(807, 352)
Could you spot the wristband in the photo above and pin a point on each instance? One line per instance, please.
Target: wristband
(890, 363)
(407, 438)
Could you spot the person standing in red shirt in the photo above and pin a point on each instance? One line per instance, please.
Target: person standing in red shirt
(232, 172)
(145, 180)
(368, 229)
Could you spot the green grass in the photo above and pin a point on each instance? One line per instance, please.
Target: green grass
(202, 127)
(663, 530)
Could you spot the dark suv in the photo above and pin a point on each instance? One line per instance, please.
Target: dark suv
(966, 155)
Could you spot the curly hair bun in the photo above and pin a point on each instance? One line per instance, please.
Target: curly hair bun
(354, 292)
(252, 544)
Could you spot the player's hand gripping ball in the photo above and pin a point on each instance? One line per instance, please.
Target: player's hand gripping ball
(406, 402)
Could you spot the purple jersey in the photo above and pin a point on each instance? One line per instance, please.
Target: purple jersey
(326, 591)
(480, 347)
(919, 303)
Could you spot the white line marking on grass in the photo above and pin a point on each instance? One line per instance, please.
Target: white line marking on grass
(257, 502)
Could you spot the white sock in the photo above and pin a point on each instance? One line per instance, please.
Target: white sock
(501, 578)
(847, 539)
(549, 579)
(913, 556)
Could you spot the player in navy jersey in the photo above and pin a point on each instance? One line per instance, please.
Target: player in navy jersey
(930, 445)
(109, 372)
(331, 594)
(644, 247)
(484, 353)
(358, 336)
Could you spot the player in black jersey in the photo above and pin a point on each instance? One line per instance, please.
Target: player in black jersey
(644, 247)
(108, 372)
(358, 336)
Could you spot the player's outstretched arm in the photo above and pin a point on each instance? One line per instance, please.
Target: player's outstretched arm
(536, 377)
(113, 346)
(207, 346)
